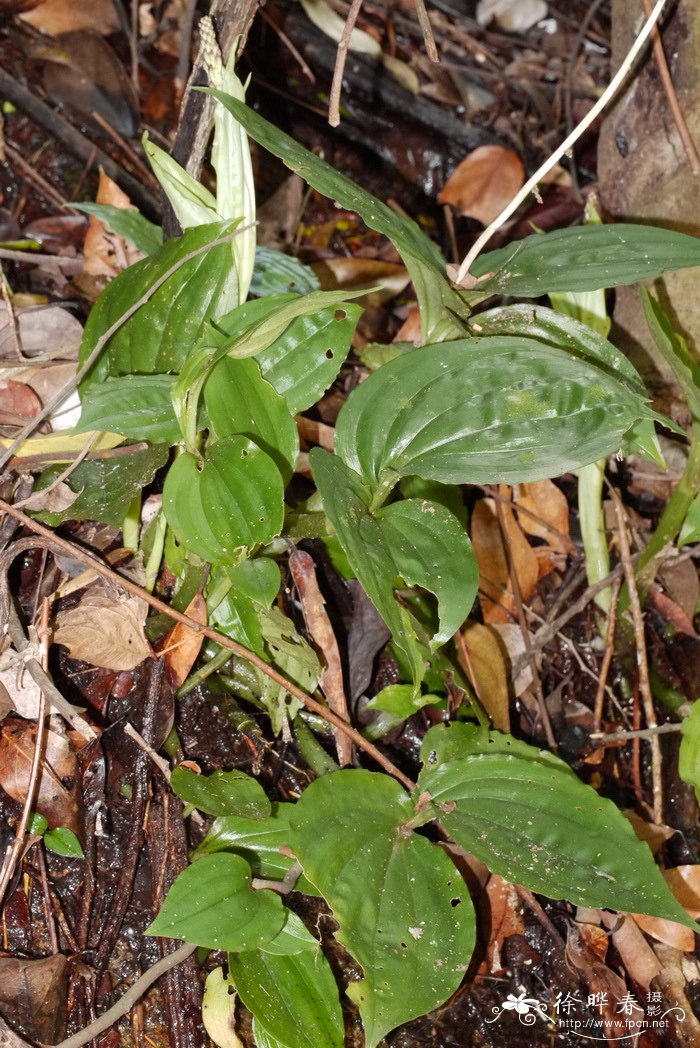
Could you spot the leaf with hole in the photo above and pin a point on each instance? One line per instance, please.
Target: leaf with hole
(221, 793)
(234, 502)
(526, 814)
(294, 997)
(404, 911)
(212, 904)
(161, 332)
(584, 258)
(444, 414)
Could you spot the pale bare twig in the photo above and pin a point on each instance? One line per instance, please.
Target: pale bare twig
(531, 184)
(608, 656)
(610, 738)
(642, 663)
(340, 60)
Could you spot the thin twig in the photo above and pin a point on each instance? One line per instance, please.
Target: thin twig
(127, 1001)
(583, 125)
(340, 60)
(427, 31)
(160, 762)
(608, 656)
(32, 500)
(71, 265)
(69, 548)
(610, 738)
(14, 851)
(102, 341)
(642, 663)
(671, 96)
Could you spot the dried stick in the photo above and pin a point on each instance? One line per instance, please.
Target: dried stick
(102, 341)
(69, 548)
(463, 279)
(319, 626)
(427, 30)
(14, 852)
(340, 60)
(127, 1001)
(610, 738)
(671, 96)
(642, 663)
(607, 657)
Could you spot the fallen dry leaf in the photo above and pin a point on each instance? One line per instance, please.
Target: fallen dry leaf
(183, 644)
(61, 16)
(684, 882)
(103, 633)
(669, 932)
(637, 955)
(58, 795)
(653, 834)
(353, 274)
(484, 183)
(49, 332)
(506, 919)
(544, 513)
(484, 659)
(495, 592)
(18, 403)
(515, 16)
(54, 499)
(514, 644)
(106, 253)
(586, 946)
(33, 995)
(21, 689)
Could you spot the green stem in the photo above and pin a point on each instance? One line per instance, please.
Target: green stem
(387, 483)
(132, 524)
(592, 522)
(673, 516)
(320, 762)
(216, 662)
(152, 566)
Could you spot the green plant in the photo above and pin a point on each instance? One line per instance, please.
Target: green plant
(512, 394)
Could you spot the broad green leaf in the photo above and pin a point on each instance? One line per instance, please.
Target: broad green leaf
(234, 502)
(38, 824)
(294, 938)
(690, 532)
(689, 753)
(63, 841)
(127, 223)
(525, 814)
(584, 258)
(159, 335)
(258, 841)
(403, 910)
(431, 549)
(238, 617)
(445, 414)
(106, 486)
(258, 579)
(294, 997)
(440, 304)
(395, 704)
(303, 362)
(137, 406)
(221, 793)
(275, 273)
(362, 537)
(212, 904)
(239, 400)
(263, 1039)
(257, 325)
(675, 350)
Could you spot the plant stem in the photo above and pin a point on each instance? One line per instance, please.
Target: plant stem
(387, 483)
(672, 518)
(592, 522)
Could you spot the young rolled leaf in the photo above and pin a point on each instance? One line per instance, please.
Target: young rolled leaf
(689, 753)
(404, 912)
(293, 995)
(212, 904)
(159, 335)
(584, 258)
(222, 793)
(234, 502)
(675, 351)
(440, 304)
(239, 400)
(485, 411)
(527, 815)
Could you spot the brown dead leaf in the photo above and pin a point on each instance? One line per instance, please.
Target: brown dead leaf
(51, 332)
(495, 591)
(54, 499)
(21, 689)
(586, 947)
(106, 253)
(484, 183)
(352, 274)
(485, 661)
(514, 643)
(104, 633)
(410, 330)
(669, 932)
(544, 512)
(506, 919)
(684, 882)
(58, 796)
(183, 644)
(33, 996)
(653, 834)
(637, 955)
(61, 16)
(18, 403)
